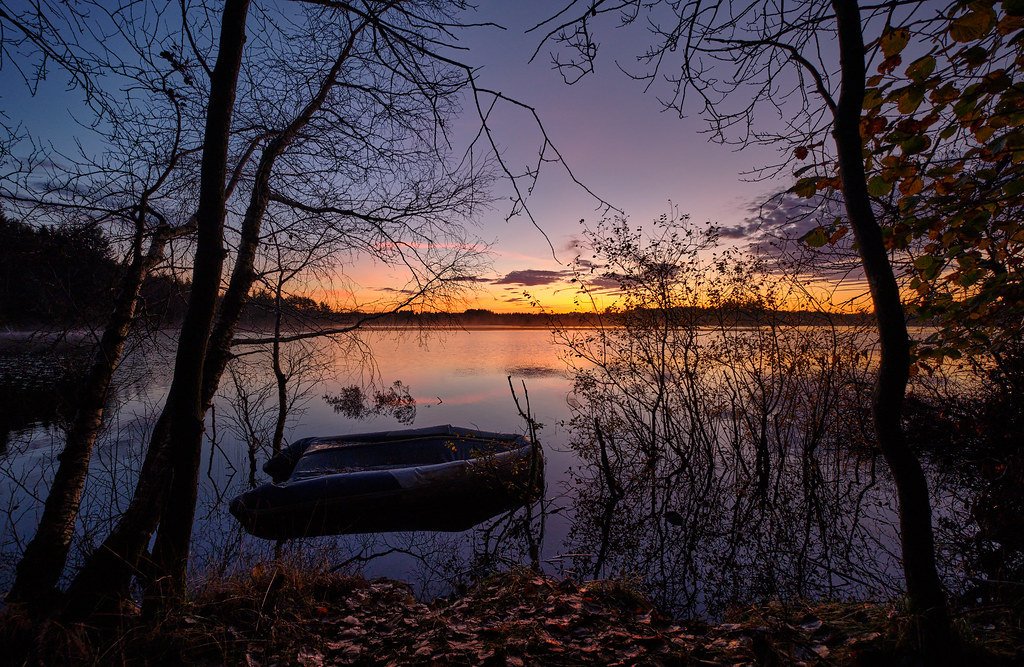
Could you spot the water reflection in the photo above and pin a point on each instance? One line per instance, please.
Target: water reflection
(355, 402)
(37, 389)
(733, 469)
(407, 372)
(724, 467)
(536, 371)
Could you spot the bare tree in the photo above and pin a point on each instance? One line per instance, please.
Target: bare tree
(134, 183)
(328, 118)
(807, 63)
(182, 418)
(366, 153)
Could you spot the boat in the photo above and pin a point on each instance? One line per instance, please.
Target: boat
(442, 478)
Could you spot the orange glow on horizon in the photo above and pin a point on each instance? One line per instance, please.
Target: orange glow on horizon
(813, 295)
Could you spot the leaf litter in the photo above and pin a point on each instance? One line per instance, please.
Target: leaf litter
(278, 615)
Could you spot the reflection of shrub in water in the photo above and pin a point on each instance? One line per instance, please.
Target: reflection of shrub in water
(395, 401)
(722, 473)
(727, 451)
(972, 431)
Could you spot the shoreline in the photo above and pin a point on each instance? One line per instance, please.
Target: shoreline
(281, 614)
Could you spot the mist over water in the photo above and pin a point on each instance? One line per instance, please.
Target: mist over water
(698, 533)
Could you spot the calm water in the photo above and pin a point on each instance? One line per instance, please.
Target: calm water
(694, 540)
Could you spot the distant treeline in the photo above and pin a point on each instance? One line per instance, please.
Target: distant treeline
(262, 306)
(64, 276)
(739, 315)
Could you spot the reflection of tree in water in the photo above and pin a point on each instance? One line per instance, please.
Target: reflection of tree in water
(356, 402)
(732, 473)
(263, 403)
(41, 377)
(725, 455)
(36, 389)
(40, 380)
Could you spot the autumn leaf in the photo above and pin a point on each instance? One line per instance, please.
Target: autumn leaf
(872, 98)
(911, 186)
(889, 64)
(1014, 188)
(974, 56)
(893, 41)
(910, 99)
(837, 235)
(1009, 24)
(944, 94)
(921, 69)
(1013, 7)
(879, 187)
(815, 238)
(805, 187)
(873, 125)
(973, 25)
(984, 132)
(915, 144)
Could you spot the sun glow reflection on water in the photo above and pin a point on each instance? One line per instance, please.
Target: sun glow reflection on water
(458, 377)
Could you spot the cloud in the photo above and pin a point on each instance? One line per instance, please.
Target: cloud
(740, 231)
(604, 283)
(395, 290)
(469, 279)
(533, 277)
(784, 216)
(574, 243)
(774, 230)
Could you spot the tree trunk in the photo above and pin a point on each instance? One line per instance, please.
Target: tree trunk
(180, 426)
(170, 552)
(925, 594)
(171, 549)
(46, 555)
(282, 379)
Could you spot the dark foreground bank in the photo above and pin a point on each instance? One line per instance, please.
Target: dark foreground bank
(283, 616)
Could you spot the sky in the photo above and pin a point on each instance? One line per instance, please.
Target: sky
(618, 140)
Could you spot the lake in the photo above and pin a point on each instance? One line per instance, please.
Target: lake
(698, 538)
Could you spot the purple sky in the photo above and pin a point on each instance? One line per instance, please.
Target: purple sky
(618, 140)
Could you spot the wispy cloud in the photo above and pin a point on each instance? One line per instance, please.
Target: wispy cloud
(573, 244)
(604, 283)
